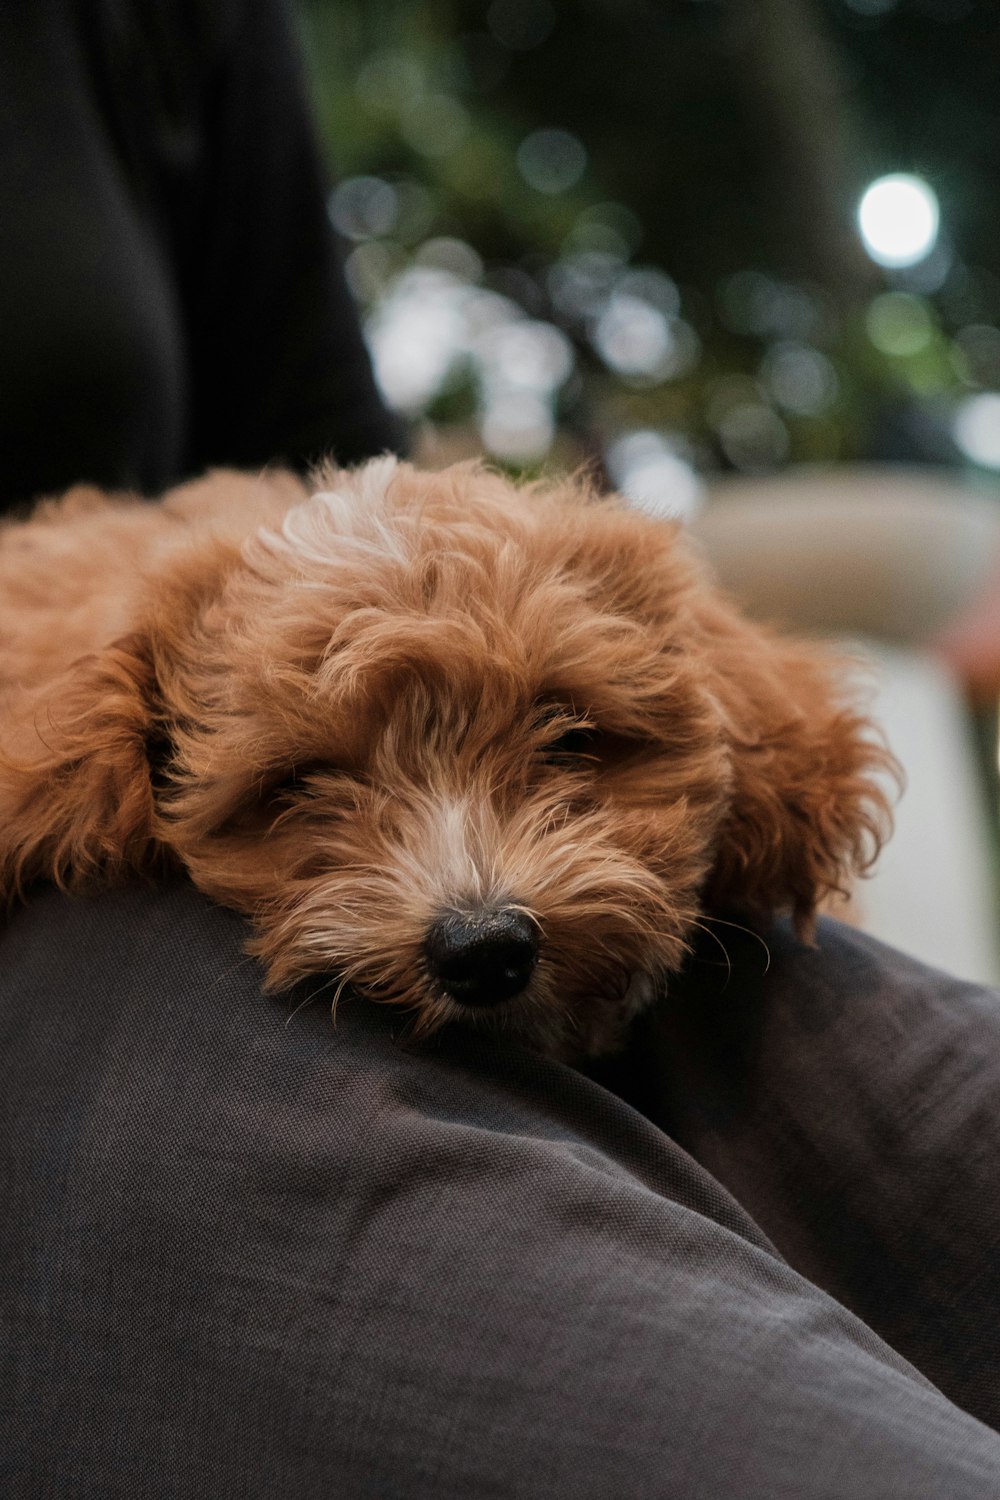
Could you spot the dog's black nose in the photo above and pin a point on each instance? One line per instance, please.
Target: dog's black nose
(482, 957)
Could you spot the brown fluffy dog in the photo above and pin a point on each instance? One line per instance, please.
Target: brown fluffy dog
(473, 749)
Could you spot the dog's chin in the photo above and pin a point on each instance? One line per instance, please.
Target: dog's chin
(570, 1011)
(576, 1029)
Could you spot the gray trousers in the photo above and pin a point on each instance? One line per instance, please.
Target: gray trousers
(247, 1253)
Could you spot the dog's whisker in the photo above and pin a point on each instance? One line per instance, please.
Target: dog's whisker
(344, 984)
(229, 971)
(307, 1000)
(738, 927)
(701, 927)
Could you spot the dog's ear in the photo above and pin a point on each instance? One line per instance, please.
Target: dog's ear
(811, 776)
(81, 752)
(76, 794)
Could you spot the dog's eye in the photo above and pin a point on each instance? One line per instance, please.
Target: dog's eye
(577, 746)
(577, 741)
(566, 735)
(293, 784)
(270, 797)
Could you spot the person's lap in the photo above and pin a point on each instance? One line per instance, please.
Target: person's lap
(248, 1252)
(849, 1097)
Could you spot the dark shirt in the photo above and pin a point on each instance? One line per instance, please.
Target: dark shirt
(171, 295)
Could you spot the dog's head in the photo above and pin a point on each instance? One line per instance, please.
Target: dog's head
(475, 749)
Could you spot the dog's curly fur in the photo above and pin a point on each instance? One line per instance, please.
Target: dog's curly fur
(345, 713)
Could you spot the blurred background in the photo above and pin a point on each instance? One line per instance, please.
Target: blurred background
(741, 257)
(682, 237)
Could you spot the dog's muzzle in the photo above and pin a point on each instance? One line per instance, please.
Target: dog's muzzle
(484, 957)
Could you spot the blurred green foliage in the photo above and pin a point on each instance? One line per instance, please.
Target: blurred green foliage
(604, 223)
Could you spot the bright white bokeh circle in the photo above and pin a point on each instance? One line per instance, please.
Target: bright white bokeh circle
(898, 217)
(977, 428)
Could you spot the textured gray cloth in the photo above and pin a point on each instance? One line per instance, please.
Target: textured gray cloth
(247, 1254)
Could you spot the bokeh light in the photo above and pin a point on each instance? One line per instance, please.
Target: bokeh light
(799, 379)
(364, 207)
(899, 324)
(653, 471)
(551, 161)
(976, 354)
(415, 335)
(753, 437)
(898, 217)
(976, 429)
(525, 355)
(610, 228)
(434, 124)
(372, 267)
(436, 329)
(389, 79)
(637, 340)
(752, 303)
(447, 253)
(579, 285)
(517, 426)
